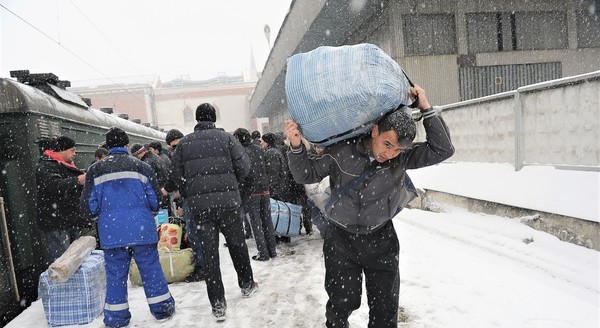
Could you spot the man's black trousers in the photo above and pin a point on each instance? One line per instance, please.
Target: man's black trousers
(347, 257)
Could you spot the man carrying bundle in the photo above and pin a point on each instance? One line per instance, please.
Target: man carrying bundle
(360, 237)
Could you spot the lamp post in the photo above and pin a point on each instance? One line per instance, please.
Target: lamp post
(267, 31)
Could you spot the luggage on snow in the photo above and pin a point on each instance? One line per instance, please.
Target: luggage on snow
(336, 93)
(80, 299)
(286, 218)
(176, 265)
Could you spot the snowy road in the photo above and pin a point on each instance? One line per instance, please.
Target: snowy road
(457, 270)
(469, 270)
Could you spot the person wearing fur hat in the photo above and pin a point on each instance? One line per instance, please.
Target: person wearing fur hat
(59, 185)
(256, 137)
(254, 190)
(121, 191)
(208, 166)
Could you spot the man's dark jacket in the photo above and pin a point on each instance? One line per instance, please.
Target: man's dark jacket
(368, 207)
(58, 192)
(159, 167)
(276, 173)
(256, 182)
(207, 167)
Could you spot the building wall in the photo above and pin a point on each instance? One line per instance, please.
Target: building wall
(231, 102)
(175, 107)
(444, 44)
(439, 74)
(134, 101)
(552, 123)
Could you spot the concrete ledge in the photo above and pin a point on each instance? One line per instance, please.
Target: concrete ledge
(568, 229)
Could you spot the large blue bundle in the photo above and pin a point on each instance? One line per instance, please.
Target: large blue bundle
(335, 93)
(80, 299)
(286, 218)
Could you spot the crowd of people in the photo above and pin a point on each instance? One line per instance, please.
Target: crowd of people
(219, 182)
(223, 182)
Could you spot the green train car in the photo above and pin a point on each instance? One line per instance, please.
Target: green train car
(35, 108)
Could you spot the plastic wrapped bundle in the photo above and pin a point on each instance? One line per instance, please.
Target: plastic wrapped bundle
(336, 93)
(62, 269)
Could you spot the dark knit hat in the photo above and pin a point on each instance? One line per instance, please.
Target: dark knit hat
(206, 112)
(269, 138)
(154, 144)
(62, 143)
(255, 134)
(173, 134)
(243, 136)
(116, 137)
(136, 149)
(100, 152)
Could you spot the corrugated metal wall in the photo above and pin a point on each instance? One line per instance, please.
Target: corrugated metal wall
(481, 81)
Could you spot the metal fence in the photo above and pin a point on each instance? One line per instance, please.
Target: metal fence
(553, 123)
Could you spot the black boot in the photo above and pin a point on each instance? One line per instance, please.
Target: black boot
(197, 275)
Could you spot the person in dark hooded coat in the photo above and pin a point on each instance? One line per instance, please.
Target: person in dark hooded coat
(254, 190)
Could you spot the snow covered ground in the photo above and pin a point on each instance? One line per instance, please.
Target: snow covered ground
(457, 269)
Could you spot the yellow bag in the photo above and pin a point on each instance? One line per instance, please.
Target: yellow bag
(169, 237)
(176, 265)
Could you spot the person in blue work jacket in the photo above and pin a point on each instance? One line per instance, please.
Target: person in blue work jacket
(122, 192)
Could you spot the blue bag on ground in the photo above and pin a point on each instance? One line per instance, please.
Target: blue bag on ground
(335, 93)
(286, 218)
(80, 299)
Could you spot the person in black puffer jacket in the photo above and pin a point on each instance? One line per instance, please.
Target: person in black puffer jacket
(207, 166)
(59, 186)
(254, 190)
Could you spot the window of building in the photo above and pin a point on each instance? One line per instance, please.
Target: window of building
(540, 30)
(217, 111)
(588, 29)
(188, 116)
(429, 34)
(484, 32)
(481, 81)
(489, 32)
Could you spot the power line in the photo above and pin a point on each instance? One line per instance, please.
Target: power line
(108, 40)
(68, 50)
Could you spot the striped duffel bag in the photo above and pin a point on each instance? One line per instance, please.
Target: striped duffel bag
(286, 218)
(336, 93)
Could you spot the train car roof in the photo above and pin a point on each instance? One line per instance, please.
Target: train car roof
(19, 98)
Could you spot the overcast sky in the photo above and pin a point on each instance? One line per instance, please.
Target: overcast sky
(84, 40)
